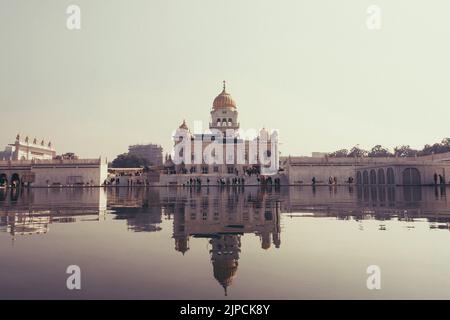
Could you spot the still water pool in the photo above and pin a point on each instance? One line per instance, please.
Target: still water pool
(233, 243)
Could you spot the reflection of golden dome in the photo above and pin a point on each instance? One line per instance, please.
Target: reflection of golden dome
(224, 100)
(169, 163)
(225, 271)
(181, 245)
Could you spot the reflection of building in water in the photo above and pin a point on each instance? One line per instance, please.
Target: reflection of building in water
(140, 219)
(216, 211)
(21, 224)
(224, 257)
(31, 211)
(223, 215)
(138, 206)
(380, 202)
(179, 231)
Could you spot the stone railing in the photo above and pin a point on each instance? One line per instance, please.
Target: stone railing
(21, 163)
(351, 161)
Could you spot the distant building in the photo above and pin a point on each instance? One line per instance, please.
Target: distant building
(152, 152)
(319, 154)
(7, 153)
(369, 171)
(35, 164)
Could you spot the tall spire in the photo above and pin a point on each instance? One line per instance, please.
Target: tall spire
(224, 82)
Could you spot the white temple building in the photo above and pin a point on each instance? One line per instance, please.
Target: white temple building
(221, 151)
(31, 150)
(27, 163)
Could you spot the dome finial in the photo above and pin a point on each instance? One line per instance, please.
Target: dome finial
(224, 84)
(183, 125)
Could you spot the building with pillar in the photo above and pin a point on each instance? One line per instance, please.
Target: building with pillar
(222, 151)
(27, 149)
(35, 164)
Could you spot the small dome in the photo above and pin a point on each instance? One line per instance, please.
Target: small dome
(181, 245)
(224, 100)
(224, 272)
(169, 162)
(183, 125)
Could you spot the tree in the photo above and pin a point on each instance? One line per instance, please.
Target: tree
(399, 151)
(379, 151)
(126, 160)
(67, 156)
(339, 153)
(356, 151)
(405, 151)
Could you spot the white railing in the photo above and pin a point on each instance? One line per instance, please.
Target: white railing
(17, 163)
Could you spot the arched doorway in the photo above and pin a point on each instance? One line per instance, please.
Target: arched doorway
(373, 194)
(381, 178)
(412, 194)
(382, 194)
(3, 180)
(391, 196)
(390, 176)
(411, 176)
(3, 193)
(365, 177)
(15, 180)
(358, 177)
(373, 177)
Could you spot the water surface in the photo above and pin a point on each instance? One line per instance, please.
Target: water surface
(215, 243)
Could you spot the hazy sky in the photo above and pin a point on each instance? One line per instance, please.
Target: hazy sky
(311, 69)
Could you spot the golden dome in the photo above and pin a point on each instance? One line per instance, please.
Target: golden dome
(224, 100)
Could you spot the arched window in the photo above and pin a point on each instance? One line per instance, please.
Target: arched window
(391, 196)
(373, 177)
(358, 177)
(230, 122)
(411, 176)
(15, 180)
(365, 177)
(218, 122)
(224, 122)
(381, 193)
(390, 176)
(381, 178)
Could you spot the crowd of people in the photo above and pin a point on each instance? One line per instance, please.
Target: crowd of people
(220, 181)
(332, 180)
